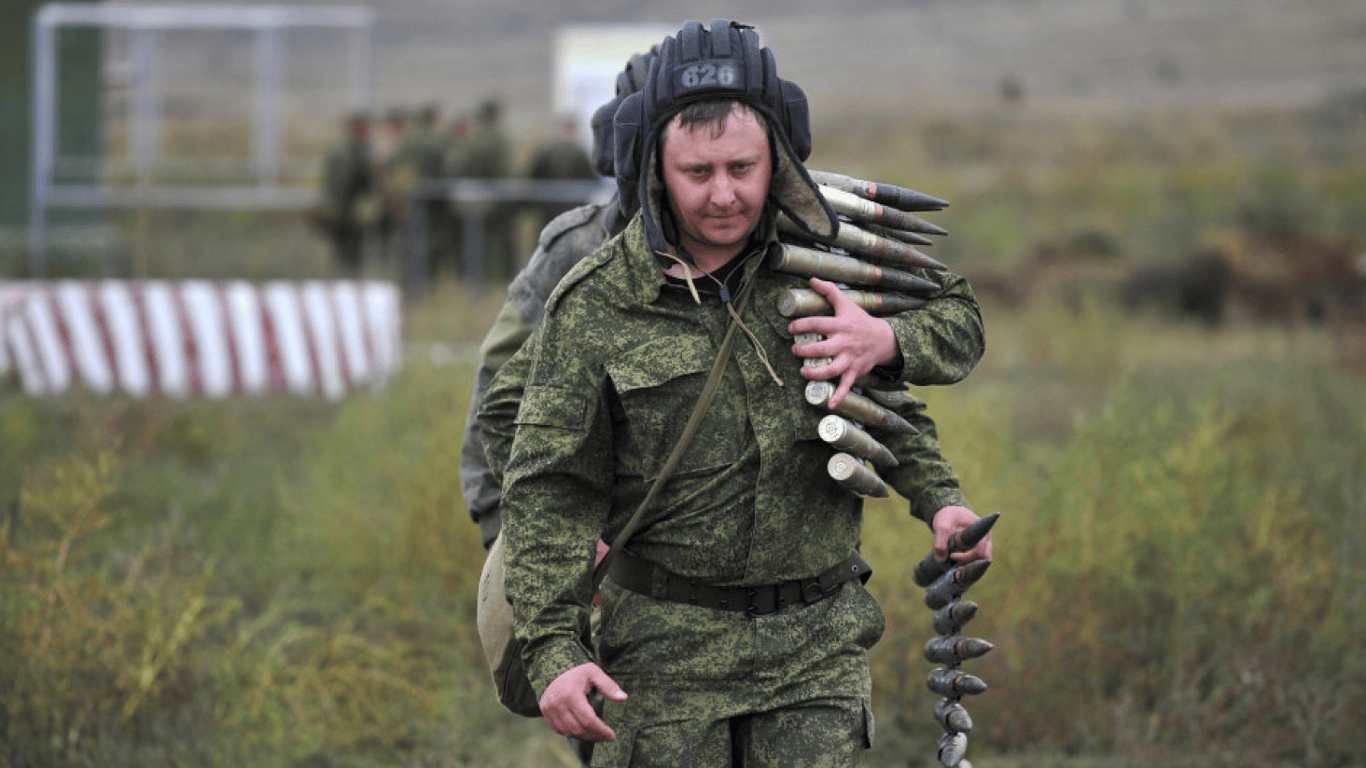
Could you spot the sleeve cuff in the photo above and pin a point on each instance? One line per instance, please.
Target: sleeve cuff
(553, 660)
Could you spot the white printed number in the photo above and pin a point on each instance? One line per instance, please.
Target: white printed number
(708, 74)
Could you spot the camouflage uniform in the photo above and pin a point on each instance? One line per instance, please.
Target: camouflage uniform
(486, 154)
(615, 368)
(563, 243)
(563, 160)
(420, 159)
(348, 183)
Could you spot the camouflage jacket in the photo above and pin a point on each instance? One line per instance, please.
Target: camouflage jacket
(563, 243)
(615, 368)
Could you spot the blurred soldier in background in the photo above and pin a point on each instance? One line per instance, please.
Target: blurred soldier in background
(396, 179)
(419, 161)
(562, 243)
(349, 208)
(452, 167)
(561, 158)
(487, 155)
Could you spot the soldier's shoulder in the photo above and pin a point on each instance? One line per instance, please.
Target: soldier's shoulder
(591, 216)
(564, 242)
(592, 278)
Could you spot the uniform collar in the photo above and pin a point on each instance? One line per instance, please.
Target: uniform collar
(648, 279)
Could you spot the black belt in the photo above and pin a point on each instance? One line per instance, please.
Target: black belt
(643, 576)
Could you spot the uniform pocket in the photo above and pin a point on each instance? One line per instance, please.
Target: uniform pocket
(657, 385)
(615, 754)
(552, 407)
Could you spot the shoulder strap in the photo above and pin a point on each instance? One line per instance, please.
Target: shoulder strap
(689, 429)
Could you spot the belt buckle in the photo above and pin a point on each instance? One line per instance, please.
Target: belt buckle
(752, 611)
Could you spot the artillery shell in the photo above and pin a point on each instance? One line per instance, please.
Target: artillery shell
(853, 474)
(887, 398)
(864, 242)
(810, 262)
(913, 238)
(953, 683)
(952, 747)
(931, 567)
(954, 583)
(859, 408)
(903, 198)
(844, 435)
(812, 362)
(861, 210)
(951, 619)
(952, 716)
(954, 649)
(804, 302)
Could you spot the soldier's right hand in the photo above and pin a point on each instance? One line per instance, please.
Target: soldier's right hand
(567, 709)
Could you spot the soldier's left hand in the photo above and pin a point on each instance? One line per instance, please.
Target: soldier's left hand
(950, 520)
(855, 341)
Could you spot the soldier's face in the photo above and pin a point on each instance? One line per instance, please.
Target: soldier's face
(716, 184)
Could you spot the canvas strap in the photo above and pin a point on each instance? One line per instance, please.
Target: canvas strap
(689, 430)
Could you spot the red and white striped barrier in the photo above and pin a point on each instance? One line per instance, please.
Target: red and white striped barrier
(199, 338)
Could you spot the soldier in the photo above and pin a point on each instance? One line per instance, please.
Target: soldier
(396, 179)
(562, 244)
(420, 160)
(562, 158)
(487, 155)
(348, 207)
(758, 658)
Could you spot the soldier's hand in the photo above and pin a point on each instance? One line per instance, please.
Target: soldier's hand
(855, 341)
(951, 520)
(567, 709)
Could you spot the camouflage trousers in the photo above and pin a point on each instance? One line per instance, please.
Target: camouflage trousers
(716, 688)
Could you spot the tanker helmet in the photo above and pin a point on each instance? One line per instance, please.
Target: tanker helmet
(629, 80)
(700, 63)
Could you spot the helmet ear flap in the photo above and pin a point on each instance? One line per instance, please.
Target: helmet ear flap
(628, 132)
(604, 149)
(796, 118)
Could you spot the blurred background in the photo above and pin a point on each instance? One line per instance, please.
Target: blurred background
(1158, 202)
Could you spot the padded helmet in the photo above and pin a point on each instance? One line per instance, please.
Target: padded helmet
(629, 80)
(723, 61)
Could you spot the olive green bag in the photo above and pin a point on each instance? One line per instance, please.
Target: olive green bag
(502, 648)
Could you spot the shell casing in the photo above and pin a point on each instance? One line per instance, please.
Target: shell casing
(955, 650)
(804, 302)
(860, 210)
(952, 748)
(952, 716)
(903, 198)
(953, 683)
(862, 241)
(850, 472)
(911, 238)
(954, 583)
(810, 262)
(887, 398)
(865, 243)
(951, 619)
(843, 434)
(931, 567)
(812, 362)
(859, 408)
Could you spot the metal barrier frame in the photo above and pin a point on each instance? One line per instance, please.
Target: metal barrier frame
(146, 22)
